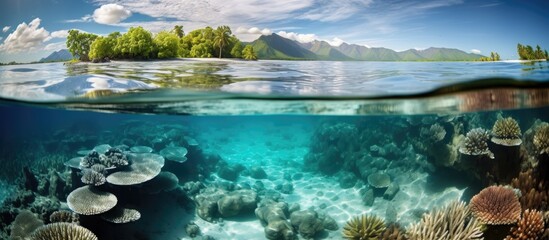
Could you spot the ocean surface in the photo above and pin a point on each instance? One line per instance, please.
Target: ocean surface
(214, 147)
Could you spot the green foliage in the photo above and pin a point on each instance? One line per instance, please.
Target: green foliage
(248, 53)
(236, 50)
(167, 44)
(79, 43)
(100, 49)
(136, 43)
(528, 53)
(494, 56)
(222, 36)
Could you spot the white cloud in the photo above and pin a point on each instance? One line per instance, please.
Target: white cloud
(6, 28)
(336, 42)
(302, 38)
(475, 51)
(55, 46)
(335, 10)
(86, 18)
(25, 37)
(254, 30)
(60, 34)
(111, 14)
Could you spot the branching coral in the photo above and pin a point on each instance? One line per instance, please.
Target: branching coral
(451, 222)
(476, 143)
(530, 226)
(365, 227)
(90, 159)
(534, 192)
(114, 157)
(496, 205)
(506, 131)
(94, 178)
(435, 133)
(541, 139)
(64, 216)
(393, 232)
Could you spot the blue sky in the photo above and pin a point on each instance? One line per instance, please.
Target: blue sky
(33, 29)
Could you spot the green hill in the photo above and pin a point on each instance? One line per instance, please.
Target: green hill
(276, 47)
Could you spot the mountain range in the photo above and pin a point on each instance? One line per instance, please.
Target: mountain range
(277, 47)
(61, 55)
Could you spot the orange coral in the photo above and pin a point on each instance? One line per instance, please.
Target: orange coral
(535, 194)
(531, 226)
(393, 232)
(496, 205)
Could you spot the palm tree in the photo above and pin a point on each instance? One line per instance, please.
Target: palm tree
(221, 39)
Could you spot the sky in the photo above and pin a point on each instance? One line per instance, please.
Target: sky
(33, 29)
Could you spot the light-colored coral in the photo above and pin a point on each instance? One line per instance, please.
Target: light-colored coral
(379, 180)
(496, 205)
(449, 223)
(63, 231)
(144, 167)
(100, 168)
(530, 226)
(541, 139)
(176, 154)
(121, 215)
(141, 149)
(64, 216)
(435, 133)
(90, 201)
(94, 178)
(364, 227)
(476, 143)
(506, 131)
(25, 223)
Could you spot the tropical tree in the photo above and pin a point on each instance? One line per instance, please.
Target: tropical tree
(221, 37)
(100, 49)
(136, 43)
(248, 53)
(79, 43)
(178, 30)
(236, 51)
(167, 44)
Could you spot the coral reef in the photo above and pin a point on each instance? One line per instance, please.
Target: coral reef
(541, 139)
(534, 192)
(308, 223)
(506, 132)
(450, 222)
(64, 216)
(379, 180)
(530, 226)
(476, 143)
(496, 205)
(364, 227)
(163, 182)
(90, 201)
(435, 133)
(144, 167)
(114, 157)
(62, 231)
(173, 153)
(93, 178)
(393, 232)
(121, 215)
(274, 215)
(25, 223)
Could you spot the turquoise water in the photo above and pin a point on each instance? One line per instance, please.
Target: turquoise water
(319, 137)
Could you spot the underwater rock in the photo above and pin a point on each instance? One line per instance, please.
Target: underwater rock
(294, 207)
(368, 197)
(31, 183)
(273, 215)
(229, 172)
(328, 222)
(307, 223)
(391, 191)
(286, 188)
(346, 179)
(237, 202)
(192, 229)
(206, 203)
(192, 188)
(257, 172)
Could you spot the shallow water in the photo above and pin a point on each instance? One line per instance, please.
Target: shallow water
(385, 118)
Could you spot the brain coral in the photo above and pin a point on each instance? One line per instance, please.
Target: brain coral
(506, 131)
(496, 205)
